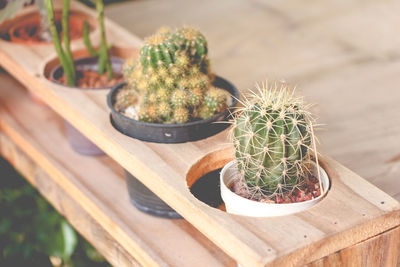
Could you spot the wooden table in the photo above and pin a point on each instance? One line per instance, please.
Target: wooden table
(319, 46)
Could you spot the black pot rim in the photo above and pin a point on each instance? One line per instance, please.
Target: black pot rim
(226, 112)
(77, 61)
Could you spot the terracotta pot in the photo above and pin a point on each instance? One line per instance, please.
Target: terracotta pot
(26, 31)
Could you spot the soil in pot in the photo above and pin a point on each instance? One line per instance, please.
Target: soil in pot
(89, 79)
(307, 191)
(92, 79)
(27, 30)
(88, 76)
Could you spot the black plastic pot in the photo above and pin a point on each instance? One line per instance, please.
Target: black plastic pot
(78, 141)
(147, 201)
(172, 133)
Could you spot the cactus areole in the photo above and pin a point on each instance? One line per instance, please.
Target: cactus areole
(272, 135)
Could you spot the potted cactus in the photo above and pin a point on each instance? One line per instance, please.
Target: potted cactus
(98, 71)
(276, 170)
(170, 94)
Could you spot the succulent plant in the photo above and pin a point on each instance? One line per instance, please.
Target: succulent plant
(164, 48)
(172, 78)
(272, 134)
(193, 42)
(64, 53)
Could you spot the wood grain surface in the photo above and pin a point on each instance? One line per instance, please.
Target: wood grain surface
(353, 210)
(91, 191)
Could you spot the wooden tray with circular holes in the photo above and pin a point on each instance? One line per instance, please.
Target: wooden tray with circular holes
(356, 222)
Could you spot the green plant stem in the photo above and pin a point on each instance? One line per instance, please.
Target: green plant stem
(65, 30)
(103, 51)
(57, 43)
(87, 41)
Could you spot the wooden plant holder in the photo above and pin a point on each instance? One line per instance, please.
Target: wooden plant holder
(356, 223)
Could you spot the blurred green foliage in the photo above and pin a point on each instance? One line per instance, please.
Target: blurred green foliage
(32, 231)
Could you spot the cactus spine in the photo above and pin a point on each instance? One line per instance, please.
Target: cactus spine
(172, 78)
(272, 136)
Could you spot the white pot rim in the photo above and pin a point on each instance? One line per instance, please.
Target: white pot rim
(239, 205)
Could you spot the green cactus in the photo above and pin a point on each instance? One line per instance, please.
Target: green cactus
(193, 41)
(272, 136)
(158, 50)
(102, 53)
(172, 74)
(187, 45)
(195, 44)
(125, 99)
(64, 53)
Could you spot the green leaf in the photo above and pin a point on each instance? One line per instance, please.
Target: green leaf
(70, 239)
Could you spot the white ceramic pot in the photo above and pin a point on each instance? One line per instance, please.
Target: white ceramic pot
(236, 204)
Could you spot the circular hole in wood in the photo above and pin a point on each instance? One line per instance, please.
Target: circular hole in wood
(206, 189)
(25, 28)
(203, 178)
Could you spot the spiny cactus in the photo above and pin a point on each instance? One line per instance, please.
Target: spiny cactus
(164, 48)
(193, 41)
(272, 135)
(172, 78)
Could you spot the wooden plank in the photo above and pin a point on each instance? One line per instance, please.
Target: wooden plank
(376, 251)
(353, 211)
(91, 191)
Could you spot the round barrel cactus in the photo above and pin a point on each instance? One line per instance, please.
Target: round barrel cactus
(272, 136)
(192, 41)
(164, 48)
(158, 50)
(172, 78)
